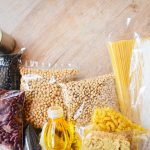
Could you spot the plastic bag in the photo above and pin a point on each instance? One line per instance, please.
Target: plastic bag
(120, 45)
(11, 120)
(40, 83)
(107, 119)
(81, 97)
(140, 82)
(129, 53)
(95, 139)
(9, 71)
(111, 130)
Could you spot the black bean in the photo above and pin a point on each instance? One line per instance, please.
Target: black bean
(9, 71)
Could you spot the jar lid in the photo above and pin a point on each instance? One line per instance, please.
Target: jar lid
(55, 112)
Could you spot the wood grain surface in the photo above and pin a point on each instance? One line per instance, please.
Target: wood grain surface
(70, 31)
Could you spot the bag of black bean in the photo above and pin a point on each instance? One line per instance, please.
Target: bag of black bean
(9, 71)
(11, 120)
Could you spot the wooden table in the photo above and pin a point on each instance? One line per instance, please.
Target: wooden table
(69, 31)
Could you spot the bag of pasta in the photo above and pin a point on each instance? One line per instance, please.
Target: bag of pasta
(129, 51)
(41, 86)
(111, 130)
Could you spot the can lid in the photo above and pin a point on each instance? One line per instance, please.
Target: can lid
(55, 112)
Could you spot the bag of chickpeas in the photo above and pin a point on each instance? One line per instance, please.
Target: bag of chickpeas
(42, 90)
(82, 97)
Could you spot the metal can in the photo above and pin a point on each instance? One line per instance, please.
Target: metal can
(7, 43)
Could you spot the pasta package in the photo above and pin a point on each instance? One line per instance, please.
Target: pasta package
(112, 130)
(43, 91)
(107, 119)
(81, 97)
(121, 52)
(130, 57)
(96, 140)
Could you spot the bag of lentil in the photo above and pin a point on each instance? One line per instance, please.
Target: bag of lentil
(9, 71)
(42, 90)
(81, 97)
(11, 121)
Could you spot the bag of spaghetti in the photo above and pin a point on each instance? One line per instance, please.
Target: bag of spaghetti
(129, 52)
(111, 130)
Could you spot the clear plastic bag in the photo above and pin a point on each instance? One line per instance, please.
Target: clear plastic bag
(120, 45)
(11, 120)
(140, 82)
(129, 51)
(111, 130)
(81, 97)
(95, 139)
(41, 85)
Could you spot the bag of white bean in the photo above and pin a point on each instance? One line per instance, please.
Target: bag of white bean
(81, 97)
(42, 90)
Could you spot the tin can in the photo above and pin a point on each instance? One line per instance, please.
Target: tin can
(7, 43)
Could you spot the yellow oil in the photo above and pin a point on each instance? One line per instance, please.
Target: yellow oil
(58, 134)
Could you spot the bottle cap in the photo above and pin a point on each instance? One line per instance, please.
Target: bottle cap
(55, 112)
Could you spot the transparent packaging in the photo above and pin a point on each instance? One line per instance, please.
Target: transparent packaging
(111, 130)
(11, 120)
(82, 97)
(140, 82)
(129, 52)
(40, 81)
(130, 55)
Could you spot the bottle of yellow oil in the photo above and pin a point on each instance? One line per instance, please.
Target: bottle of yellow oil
(57, 133)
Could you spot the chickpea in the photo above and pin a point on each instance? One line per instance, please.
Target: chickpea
(83, 96)
(42, 90)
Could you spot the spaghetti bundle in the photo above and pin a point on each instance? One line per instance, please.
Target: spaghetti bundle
(120, 53)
